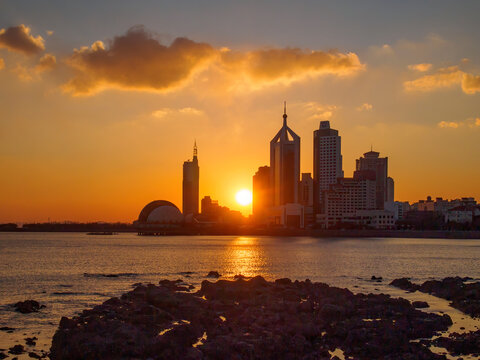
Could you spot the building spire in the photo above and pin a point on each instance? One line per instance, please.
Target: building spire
(284, 113)
(195, 151)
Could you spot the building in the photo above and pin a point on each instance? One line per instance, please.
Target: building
(327, 161)
(262, 195)
(305, 193)
(285, 165)
(158, 216)
(373, 161)
(343, 199)
(214, 214)
(376, 219)
(190, 184)
(390, 190)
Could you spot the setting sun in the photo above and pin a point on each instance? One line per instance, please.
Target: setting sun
(244, 197)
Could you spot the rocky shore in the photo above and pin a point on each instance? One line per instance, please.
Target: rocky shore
(462, 294)
(249, 319)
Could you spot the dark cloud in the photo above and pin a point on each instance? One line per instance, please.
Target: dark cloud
(18, 38)
(136, 60)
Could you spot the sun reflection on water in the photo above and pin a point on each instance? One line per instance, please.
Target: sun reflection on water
(246, 257)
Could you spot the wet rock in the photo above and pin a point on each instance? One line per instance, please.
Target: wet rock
(31, 341)
(376, 278)
(28, 306)
(3, 355)
(7, 329)
(461, 344)
(16, 350)
(247, 319)
(213, 274)
(420, 304)
(34, 355)
(404, 284)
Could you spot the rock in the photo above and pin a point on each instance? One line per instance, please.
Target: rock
(34, 355)
(7, 329)
(31, 341)
(213, 274)
(28, 306)
(375, 278)
(16, 350)
(404, 284)
(284, 281)
(3, 355)
(420, 304)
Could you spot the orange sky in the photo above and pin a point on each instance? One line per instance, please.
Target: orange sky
(93, 129)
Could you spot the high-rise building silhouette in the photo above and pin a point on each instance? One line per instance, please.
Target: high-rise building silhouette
(285, 165)
(191, 184)
(262, 194)
(373, 161)
(327, 161)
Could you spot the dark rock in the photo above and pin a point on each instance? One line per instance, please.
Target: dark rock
(6, 328)
(213, 274)
(28, 306)
(31, 341)
(404, 284)
(16, 350)
(420, 304)
(284, 281)
(34, 355)
(375, 278)
(3, 355)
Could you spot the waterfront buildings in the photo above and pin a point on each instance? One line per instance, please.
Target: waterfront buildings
(285, 165)
(327, 161)
(373, 161)
(190, 184)
(262, 195)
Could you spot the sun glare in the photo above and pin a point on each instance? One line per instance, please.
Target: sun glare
(244, 197)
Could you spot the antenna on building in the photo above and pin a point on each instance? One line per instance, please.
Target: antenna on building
(195, 151)
(284, 113)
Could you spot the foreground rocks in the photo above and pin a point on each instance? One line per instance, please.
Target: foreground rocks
(461, 344)
(28, 306)
(462, 295)
(252, 319)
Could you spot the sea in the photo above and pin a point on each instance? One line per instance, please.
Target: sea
(70, 272)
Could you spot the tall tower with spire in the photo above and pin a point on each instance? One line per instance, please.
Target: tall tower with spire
(190, 184)
(285, 164)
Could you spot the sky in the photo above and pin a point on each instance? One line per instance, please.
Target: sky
(101, 102)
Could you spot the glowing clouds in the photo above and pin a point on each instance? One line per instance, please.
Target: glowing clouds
(19, 39)
(289, 64)
(420, 67)
(448, 124)
(46, 63)
(443, 78)
(2, 63)
(365, 107)
(470, 84)
(136, 61)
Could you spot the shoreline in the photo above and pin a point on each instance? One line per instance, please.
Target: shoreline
(317, 233)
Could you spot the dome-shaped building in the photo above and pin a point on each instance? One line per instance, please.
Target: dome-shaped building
(159, 214)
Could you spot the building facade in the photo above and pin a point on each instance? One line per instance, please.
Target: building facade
(372, 161)
(327, 161)
(190, 184)
(262, 195)
(285, 165)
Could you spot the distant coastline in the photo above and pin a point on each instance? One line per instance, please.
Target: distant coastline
(248, 231)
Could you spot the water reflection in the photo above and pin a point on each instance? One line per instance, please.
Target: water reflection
(246, 257)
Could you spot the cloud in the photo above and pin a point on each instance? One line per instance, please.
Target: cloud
(365, 107)
(470, 83)
(448, 124)
(2, 64)
(470, 122)
(312, 110)
(46, 63)
(49, 32)
(289, 64)
(443, 78)
(19, 39)
(136, 61)
(420, 67)
(175, 113)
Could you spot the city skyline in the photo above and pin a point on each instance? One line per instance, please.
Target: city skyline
(80, 142)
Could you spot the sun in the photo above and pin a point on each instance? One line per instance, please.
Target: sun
(244, 197)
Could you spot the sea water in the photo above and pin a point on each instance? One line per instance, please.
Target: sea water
(69, 272)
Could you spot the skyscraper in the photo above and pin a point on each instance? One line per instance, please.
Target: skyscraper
(327, 161)
(191, 184)
(285, 164)
(373, 161)
(262, 194)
